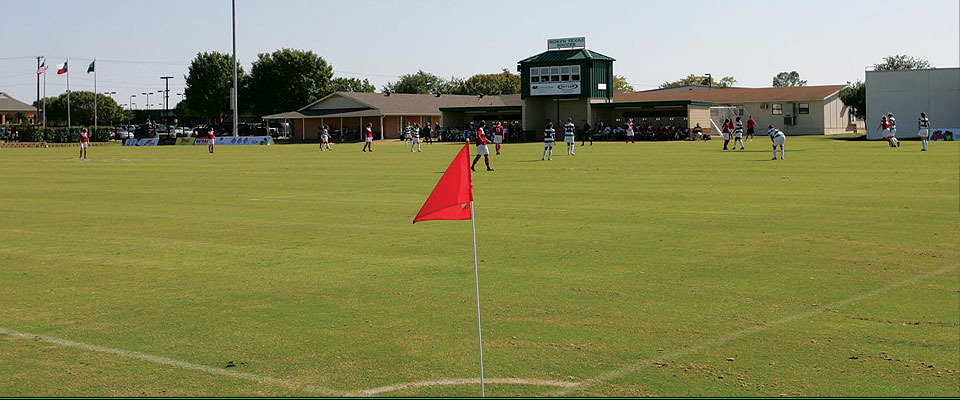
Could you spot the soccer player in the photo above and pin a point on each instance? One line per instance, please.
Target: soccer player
(630, 132)
(569, 132)
(498, 136)
(212, 139)
(368, 140)
(408, 134)
(84, 143)
(892, 123)
(415, 138)
(777, 138)
(738, 134)
(750, 125)
(726, 133)
(923, 126)
(482, 149)
(548, 141)
(325, 138)
(587, 133)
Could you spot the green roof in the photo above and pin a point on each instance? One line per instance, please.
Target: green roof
(566, 55)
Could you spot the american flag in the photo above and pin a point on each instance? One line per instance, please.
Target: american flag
(43, 68)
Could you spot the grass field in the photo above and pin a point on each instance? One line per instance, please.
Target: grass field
(665, 269)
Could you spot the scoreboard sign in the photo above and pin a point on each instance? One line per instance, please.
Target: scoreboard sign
(567, 43)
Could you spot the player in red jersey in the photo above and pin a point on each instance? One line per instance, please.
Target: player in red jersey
(482, 149)
(368, 140)
(498, 136)
(212, 138)
(84, 143)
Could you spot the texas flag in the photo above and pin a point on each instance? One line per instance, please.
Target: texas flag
(62, 68)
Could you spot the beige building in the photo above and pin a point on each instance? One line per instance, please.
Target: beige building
(13, 110)
(806, 110)
(935, 91)
(349, 112)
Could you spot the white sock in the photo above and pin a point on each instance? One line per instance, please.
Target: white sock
(551, 153)
(782, 153)
(774, 152)
(544, 154)
(924, 144)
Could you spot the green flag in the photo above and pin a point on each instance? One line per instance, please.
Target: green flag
(91, 67)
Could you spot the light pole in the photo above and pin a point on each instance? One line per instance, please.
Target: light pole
(233, 98)
(147, 101)
(709, 80)
(166, 92)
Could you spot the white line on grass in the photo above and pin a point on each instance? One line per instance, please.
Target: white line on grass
(313, 389)
(746, 332)
(474, 381)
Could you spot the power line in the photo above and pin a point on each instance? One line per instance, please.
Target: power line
(16, 58)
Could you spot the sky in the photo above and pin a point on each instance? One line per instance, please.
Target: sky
(137, 41)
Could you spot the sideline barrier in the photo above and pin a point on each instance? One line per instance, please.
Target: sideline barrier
(237, 141)
(185, 141)
(142, 142)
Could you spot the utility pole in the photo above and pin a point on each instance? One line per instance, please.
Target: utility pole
(37, 115)
(166, 93)
(233, 98)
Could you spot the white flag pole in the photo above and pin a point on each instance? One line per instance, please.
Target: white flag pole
(44, 96)
(67, 64)
(94, 94)
(476, 276)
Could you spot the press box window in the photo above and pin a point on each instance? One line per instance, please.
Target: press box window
(565, 74)
(804, 108)
(575, 73)
(554, 74)
(777, 109)
(544, 74)
(534, 75)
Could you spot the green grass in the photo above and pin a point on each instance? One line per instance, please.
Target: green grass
(304, 266)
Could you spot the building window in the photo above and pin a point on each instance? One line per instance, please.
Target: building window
(777, 109)
(565, 74)
(575, 70)
(554, 74)
(534, 75)
(764, 106)
(804, 108)
(544, 74)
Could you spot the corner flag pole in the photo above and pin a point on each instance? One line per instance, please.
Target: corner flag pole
(476, 276)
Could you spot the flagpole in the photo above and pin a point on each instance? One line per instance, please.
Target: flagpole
(44, 99)
(67, 64)
(94, 95)
(476, 277)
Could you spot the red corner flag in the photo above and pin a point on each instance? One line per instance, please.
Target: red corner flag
(450, 199)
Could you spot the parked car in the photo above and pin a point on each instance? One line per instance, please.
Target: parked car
(122, 133)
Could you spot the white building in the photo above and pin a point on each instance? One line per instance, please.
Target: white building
(907, 93)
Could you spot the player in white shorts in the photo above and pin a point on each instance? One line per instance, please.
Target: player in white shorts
(84, 143)
(923, 125)
(548, 140)
(408, 134)
(630, 131)
(738, 134)
(415, 138)
(569, 133)
(498, 136)
(482, 149)
(892, 123)
(777, 138)
(325, 138)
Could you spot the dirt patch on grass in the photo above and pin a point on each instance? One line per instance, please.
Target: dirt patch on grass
(906, 323)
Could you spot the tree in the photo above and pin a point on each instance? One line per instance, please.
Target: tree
(286, 80)
(700, 80)
(620, 85)
(351, 85)
(855, 97)
(418, 83)
(81, 109)
(788, 79)
(209, 80)
(902, 62)
(493, 84)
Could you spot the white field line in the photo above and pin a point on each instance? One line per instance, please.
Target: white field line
(628, 369)
(313, 389)
(474, 381)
